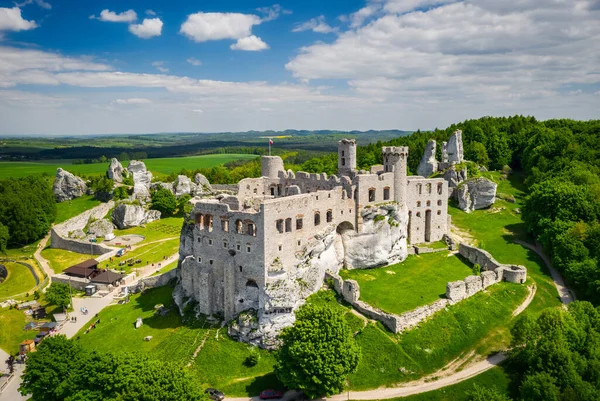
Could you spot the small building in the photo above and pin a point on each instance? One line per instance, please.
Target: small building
(90, 290)
(26, 347)
(86, 269)
(108, 277)
(38, 313)
(48, 328)
(60, 319)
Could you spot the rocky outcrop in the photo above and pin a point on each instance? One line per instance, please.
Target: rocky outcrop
(382, 241)
(115, 170)
(100, 228)
(142, 179)
(202, 182)
(454, 148)
(183, 186)
(477, 193)
(454, 177)
(428, 164)
(67, 186)
(127, 216)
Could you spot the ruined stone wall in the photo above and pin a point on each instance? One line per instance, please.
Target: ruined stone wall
(427, 195)
(160, 280)
(78, 283)
(74, 245)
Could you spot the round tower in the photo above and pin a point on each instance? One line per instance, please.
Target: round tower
(394, 160)
(270, 166)
(346, 156)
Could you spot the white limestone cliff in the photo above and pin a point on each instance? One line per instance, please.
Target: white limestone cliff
(428, 164)
(116, 170)
(142, 179)
(67, 186)
(127, 216)
(476, 193)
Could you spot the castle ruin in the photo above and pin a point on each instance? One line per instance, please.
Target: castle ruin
(267, 248)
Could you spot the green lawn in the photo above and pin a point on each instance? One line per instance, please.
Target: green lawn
(19, 280)
(219, 363)
(151, 253)
(419, 280)
(160, 229)
(12, 322)
(60, 259)
(166, 268)
(160, 166)
(66, 210)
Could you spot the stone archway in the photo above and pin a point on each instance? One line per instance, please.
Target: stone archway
(344, 227)
(343, 230)
(251, 298)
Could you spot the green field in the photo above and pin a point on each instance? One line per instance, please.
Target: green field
(12, 322)
(60, 259)
(168, 227)
(150, 253)
(419, 280)
(19, 280)
(163, 166)
(66, 210)
(219, 362)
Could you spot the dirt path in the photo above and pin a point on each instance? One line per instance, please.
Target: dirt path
(532, 290)
(566, 296)
(45, 265)
(197, 351)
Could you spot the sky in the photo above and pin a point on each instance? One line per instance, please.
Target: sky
(132, 66)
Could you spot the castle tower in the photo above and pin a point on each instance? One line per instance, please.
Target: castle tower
(346, 156)
(394, 160)
(270, 166)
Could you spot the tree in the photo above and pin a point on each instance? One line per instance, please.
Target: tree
(540, 387)
(164, 201)
(59, 294)
(477, 153)
(318, 352)
(479, 393)
(3, 238)
(63, 370)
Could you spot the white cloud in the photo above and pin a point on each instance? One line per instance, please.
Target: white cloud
(11, 20)
(202, 27)
(405, 6)
(150, 13)
(317, 24)
(250, 43)
(272, 12)
(198, 111)
(357, 18)
(195, 62)
(149, 28)
(40, 3)
(159, 65)
(134, 100)
(111, 16)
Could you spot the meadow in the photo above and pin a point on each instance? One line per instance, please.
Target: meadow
(19, 280)
(417, 281)
(161, 166)
(66, 210)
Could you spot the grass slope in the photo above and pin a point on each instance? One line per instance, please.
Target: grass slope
(19, 280)
(419, 280)
(12, 322)
(151, 253)
(66, 210)
(60, 259)
(160, 229)
(163, 166)
(219, 362)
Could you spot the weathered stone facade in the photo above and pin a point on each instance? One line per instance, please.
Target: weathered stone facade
(268, 248)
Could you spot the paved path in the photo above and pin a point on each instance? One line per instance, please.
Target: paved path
(566, 295)
(3, 357)
(11, 391)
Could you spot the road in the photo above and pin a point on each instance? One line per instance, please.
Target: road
(40, 259)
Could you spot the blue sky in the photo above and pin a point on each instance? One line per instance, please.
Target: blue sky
(134, 66)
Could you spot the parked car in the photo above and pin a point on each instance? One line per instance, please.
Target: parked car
(270, 394)
(214, 394)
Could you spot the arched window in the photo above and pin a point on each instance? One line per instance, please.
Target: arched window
(239, 227)
(418, 214)
(200, 221)
(386, 193)
(439, 202)
(288, 225)
(279, 225)
(428, 203)
(251, 229)
(428, 188)
(419, 188)
(299, 223)
(329, 216)
(371, 194)
(317, 218)
(208, 222)
(225, 224)
(440, 186)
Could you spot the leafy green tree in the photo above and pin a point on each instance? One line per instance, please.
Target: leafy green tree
(477, 153)
(540, 387)
(182, 204)
(63, 370)
(120, 193)
(4, 237)
(479, 393)
(164, 201)
(498, 150)
(318, 352)
(59, 294)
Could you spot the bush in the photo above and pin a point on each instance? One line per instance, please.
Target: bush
(164, 201)
(476, 269)
(253, 358)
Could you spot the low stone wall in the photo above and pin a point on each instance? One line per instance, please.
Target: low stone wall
(510, 273)
(159, 280)
(79, 283)
(456, 291)
(59, 235)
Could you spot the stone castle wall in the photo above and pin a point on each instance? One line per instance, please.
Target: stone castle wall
(160, 280)
(506, 272)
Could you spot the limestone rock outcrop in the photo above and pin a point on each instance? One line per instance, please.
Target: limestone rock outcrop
(101, 228)
(127, 216)
(142, 179)
(428, 164)
(382, 241)
(454, 176)
(183, 186)
(476, 193)
(67, 186)
(202, 182)
(115, 170)
(455, 148)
